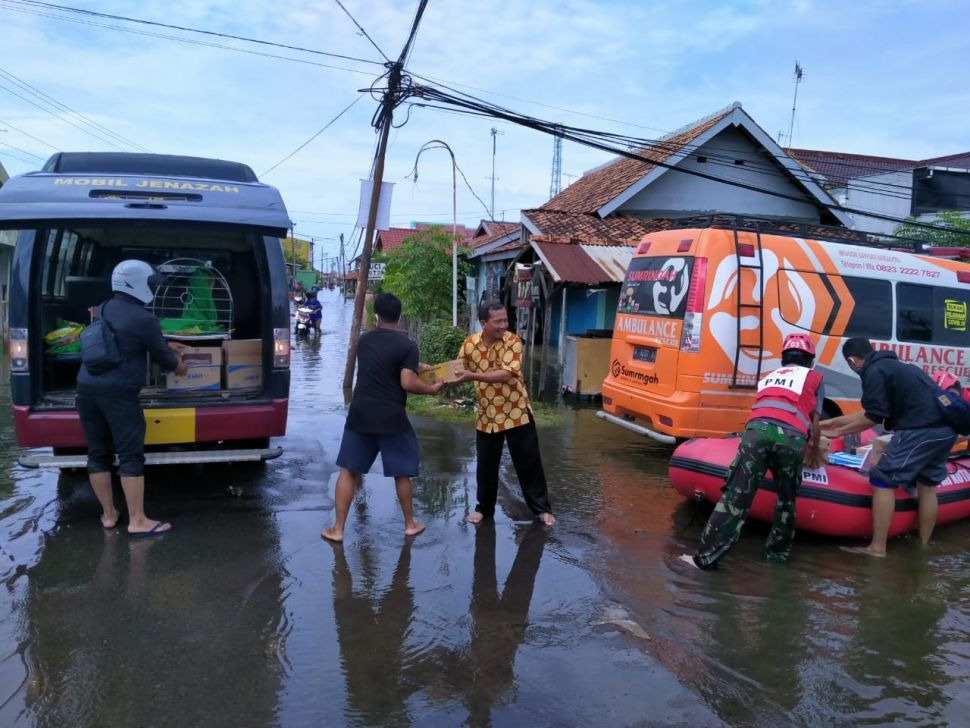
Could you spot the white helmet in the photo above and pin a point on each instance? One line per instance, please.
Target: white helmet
(136, 278)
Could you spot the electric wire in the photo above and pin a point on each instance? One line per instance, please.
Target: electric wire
(318, 133)
(30, 136)
(361, 29)
(22, 151)
(601, 140)
(141, 21)
(191, 41)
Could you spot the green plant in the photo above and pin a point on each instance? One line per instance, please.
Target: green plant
(957, 234)
(439, 341)
(419, 273)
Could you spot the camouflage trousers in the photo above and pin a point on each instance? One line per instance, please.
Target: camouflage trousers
(763, 445)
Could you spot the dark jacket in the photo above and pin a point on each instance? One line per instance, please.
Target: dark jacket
(898, 395)
(136, 331)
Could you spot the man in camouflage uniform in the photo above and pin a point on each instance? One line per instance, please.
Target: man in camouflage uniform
(783, 421)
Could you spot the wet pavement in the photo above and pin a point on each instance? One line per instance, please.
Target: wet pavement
(243, 616)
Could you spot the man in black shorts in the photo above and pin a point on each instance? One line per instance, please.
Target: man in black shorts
(387, 369)
(901, 397)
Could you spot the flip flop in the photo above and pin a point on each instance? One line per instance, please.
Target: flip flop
(155, 531)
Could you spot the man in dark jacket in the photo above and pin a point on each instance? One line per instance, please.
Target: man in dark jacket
(901, 398)
(108, 403)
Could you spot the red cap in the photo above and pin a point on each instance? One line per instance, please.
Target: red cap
(799, 342)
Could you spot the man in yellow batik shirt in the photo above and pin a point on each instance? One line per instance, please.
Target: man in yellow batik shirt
(493, 360)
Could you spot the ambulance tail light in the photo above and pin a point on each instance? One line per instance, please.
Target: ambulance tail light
(281, 348)
(963, 276)
(690, 336)
(17, 350)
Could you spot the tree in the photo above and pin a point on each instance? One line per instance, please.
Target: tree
(958, 234)
(419, 273)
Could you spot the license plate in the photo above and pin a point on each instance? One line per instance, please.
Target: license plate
(645, 353)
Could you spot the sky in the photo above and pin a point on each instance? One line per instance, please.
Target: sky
(886, 78)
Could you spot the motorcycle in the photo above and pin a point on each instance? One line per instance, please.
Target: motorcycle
(298, 298)
(302, 323)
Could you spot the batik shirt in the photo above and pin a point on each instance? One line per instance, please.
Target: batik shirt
(501, 405)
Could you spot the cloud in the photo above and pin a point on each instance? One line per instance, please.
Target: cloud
(657, 65)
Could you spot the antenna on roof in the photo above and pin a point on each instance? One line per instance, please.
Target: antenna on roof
(798, 80)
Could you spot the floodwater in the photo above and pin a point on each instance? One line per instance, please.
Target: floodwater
(243, 616)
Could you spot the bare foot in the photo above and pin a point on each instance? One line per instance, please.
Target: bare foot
(864, 550)
(414, 529)
(547, 518)
(110, 520)
(333, 534)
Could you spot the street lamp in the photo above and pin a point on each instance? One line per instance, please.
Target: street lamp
(438, 144)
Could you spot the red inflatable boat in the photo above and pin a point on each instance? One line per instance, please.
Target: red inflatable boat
(833, 500)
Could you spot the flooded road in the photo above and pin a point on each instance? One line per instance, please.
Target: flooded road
(243, 616)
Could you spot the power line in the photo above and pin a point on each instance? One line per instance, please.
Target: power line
(318, 133)
(599, 140)
(67, 120)
(361, 29)
(31, 136)
(190, 41)
(23, 151)
(109, 16)
(46, 98)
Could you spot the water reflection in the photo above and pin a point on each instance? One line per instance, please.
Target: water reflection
(372, 624)
(481, 673)
(126, 632)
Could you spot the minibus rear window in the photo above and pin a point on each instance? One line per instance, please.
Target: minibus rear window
(656, 286)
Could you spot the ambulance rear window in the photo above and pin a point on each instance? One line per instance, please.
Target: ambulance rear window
(656, 286)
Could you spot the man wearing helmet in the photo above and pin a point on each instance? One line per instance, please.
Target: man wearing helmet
(899, 396)
(782, 430)
(108, 404)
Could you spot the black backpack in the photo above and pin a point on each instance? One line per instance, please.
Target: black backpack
(99, 349)
(953, 409)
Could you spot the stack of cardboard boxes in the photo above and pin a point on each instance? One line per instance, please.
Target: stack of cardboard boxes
(236, 365)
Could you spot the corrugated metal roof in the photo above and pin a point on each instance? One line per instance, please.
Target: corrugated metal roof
(613, 259)
(589, 264)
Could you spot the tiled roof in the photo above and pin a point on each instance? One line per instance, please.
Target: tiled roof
(492, 231)
(591, 191)
(589, 264)
(393, 238)
(589, 229)
(956, 161)
(838, 168)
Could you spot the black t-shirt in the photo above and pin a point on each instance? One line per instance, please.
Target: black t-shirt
(377, 406)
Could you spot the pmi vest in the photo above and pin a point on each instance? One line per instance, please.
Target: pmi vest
(788, 395)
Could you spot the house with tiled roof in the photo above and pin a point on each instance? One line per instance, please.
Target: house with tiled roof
(582, 239)
(890, 188)
(494, 248)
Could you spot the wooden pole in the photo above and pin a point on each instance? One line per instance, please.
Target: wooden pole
(365, 255)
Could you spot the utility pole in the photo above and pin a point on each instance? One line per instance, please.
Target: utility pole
(798, 80)
(343, 268)
(495, 133)
(390, 99)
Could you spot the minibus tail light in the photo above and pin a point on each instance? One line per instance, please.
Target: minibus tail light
(17, 350)
(690, 336)
(281, 348)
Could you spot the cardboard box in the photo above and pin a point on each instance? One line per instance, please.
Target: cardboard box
(197, 378)
(446, 371)
(243, 376)
(202, 356)
(243, 351)
(873, 451)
